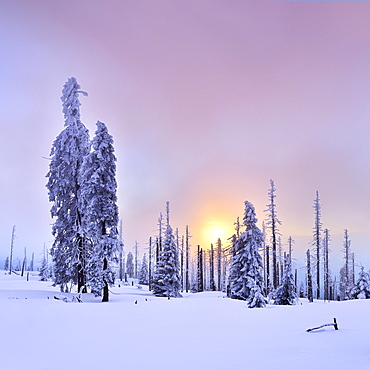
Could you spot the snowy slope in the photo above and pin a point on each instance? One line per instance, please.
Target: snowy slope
(199, 331)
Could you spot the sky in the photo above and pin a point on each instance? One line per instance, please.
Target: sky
(206, 101)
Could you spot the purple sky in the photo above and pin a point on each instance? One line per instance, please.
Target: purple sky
(206, 101)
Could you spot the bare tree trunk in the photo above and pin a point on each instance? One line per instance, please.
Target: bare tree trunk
(317, 241)
(150, 263)
(182, 262)
(136, 249)
(219, 271)
(267, 269)
(105, 289)
(326, 265)
(347, 245)
(11, 251)
(212, 285)
(309, 277)
(273, 224)
(24, 261)
(121, 257)
(353, 279)
(296, 280)
(81, 267)
(200, 270)
(187, 282)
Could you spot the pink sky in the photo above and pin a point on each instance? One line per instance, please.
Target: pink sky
(206, 100)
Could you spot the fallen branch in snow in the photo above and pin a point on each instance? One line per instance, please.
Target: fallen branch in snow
(75, 298)
(321, 326)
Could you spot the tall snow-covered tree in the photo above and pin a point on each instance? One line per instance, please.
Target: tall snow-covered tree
(44, 270)
(64, 186)
(286, 294)
(130, 265)
(246, 277)
(273, 223)
(345, 280)
(144, 273)
(316, 243)
(361, 290)
(166, 279)
(136, 260)
(98, 174)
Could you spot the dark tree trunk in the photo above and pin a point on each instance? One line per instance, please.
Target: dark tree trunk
(150, 263)
(274, 263)
(267, 269)
(219, 251)
(187, 282)
(200, 270)
(81, 273)
(309, 278)
(182, 263)
(105, 289)
(212, 271)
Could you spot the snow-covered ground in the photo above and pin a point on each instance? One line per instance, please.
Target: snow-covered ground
(200, 331)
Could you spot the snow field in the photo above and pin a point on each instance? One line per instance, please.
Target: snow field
(199, 331)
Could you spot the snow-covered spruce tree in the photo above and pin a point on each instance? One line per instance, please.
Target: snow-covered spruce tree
(166, 279)
(64, 186)
(6, 264)
(130, 265)
(246, 277)
(98, 174)
(44, 270)
(361, 290)
(144, 273)
(286, 294)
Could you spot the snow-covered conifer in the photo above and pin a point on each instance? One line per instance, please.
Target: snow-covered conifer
(144, 273)
(246, 277)
(6, 264)
(361, 290)
(67, 154)
(98, 174)
(130, 265)
(286, 294)
(44, 270)
(166, 279)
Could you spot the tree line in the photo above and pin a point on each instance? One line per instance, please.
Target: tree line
(87, 250)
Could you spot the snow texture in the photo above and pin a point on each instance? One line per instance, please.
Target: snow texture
(200, 331)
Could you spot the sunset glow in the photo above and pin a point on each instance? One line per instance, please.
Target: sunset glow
(212, 231)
